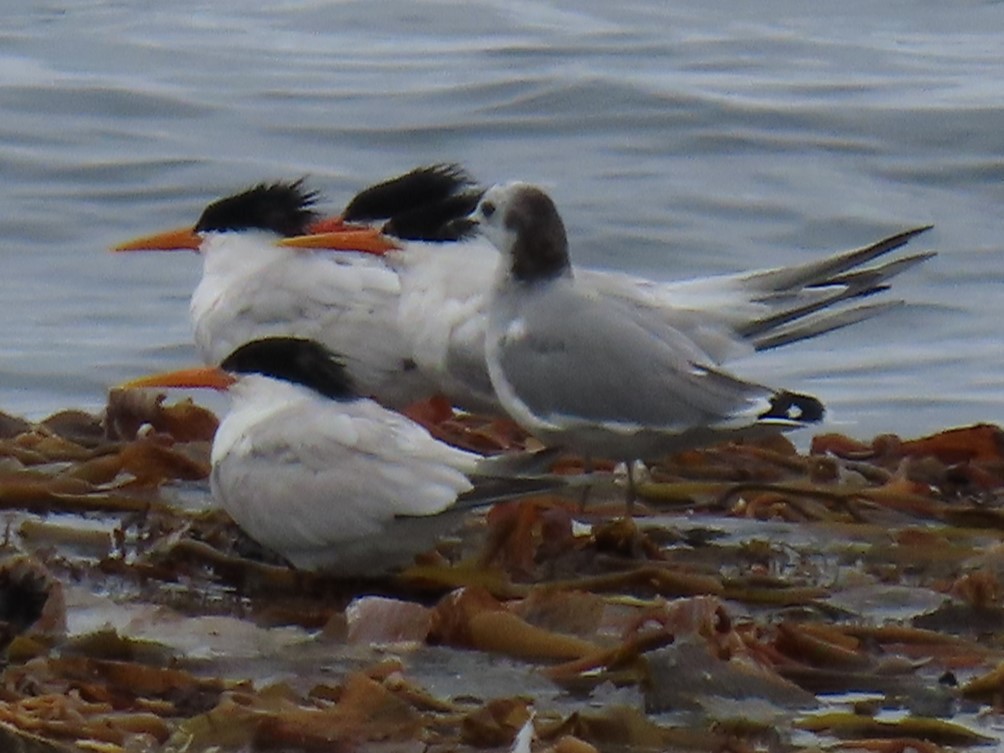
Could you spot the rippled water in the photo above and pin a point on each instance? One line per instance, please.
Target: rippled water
(678, 139)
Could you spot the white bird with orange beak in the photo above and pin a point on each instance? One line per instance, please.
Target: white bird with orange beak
(251, 288)
(399, 287)
(328, 478)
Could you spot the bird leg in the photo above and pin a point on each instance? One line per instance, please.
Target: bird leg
(587, 469)
(632, 492)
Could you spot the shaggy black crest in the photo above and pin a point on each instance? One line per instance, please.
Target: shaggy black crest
(423, 185)
(793, 406)
(428, 204)
(294, 359)
(283, 208)
(446, 220)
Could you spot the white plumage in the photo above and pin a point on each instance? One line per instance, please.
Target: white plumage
(252, 288)
(322, 482)
(329, 479)
(412, 323)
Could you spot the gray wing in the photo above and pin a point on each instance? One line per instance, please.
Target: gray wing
(569, 355)
(769, 308)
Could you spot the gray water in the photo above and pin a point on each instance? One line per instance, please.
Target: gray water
(678, 139)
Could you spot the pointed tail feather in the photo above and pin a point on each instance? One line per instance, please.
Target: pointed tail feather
(489, 490)
(524, 463)
(823, 271)
(827, 321)
(872, 276)
(858, 284)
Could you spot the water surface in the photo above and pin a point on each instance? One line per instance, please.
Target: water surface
(677, 141)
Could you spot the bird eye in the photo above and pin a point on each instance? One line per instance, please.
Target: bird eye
(487, 208)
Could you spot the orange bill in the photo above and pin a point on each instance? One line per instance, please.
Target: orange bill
(367, 240)
(328, 225)
(201, 376)
(184, 238)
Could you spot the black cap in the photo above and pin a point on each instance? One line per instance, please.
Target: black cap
(430, 203)
(283, 208)
(294, 359)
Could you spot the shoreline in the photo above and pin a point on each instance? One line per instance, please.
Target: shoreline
(757, 595)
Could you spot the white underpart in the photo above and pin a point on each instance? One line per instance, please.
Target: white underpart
(349, 302)
(322, 481)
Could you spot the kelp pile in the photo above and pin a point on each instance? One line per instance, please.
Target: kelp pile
(849, 598)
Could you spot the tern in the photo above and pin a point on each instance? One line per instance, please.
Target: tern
(329, 479)
(403, 297)
(252, 288)
(446, 273)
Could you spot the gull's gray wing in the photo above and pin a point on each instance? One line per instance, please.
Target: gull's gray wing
(572, 357)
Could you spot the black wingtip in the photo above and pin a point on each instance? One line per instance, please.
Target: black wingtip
(283, 207)
(794, 407)
(297, 360)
